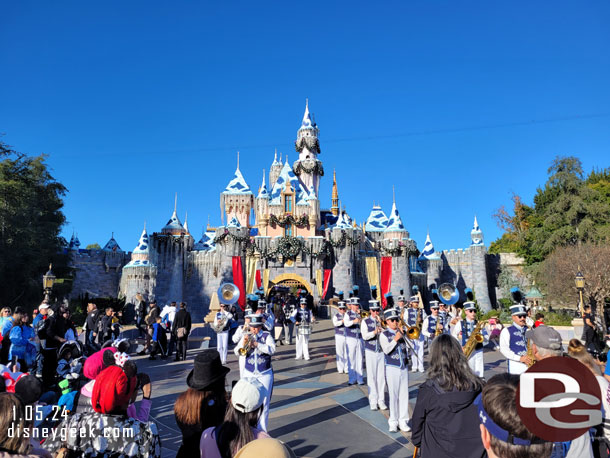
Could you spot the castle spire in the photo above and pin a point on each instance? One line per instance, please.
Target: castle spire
(186, 225)
(476, 235)
(173, 226)
(238, 160)
(335, 196)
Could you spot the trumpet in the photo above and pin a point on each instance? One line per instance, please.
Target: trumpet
(364, 314)
(382, 323)
(243, 351)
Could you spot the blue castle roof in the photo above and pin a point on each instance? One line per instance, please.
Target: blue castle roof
(377, 220)
(112, 245)
(234, 222)
(237, 185)
(207, 242)
(394, 221)
(428, 251)
(287, 175)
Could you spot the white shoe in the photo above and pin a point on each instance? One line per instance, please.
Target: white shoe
(404, 427)
(382, 406)
(307, 359)
(414, 370)
(373, 407)
(393, 429)
(346, 372)
(296, 359)
(421, 370)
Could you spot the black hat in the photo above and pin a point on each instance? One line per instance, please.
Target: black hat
(29, 389)
(207, 369)
(256, 320)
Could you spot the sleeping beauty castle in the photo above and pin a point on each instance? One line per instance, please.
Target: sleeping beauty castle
(281, 236)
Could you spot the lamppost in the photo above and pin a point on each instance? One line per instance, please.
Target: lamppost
(580, 286)
(48, 280)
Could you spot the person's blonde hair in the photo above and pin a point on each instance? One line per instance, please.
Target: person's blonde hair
(12, 414)
(6, 309)
(578, 351)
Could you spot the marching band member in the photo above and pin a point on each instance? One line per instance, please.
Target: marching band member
(444, 314)
(303, 319)
(222, 337)
(351, 321)
(462, 331)
(268, 318)
(513, 344)
(431, 322)
(241, 331)
(261, 347)
(413, 316)
(340, 333)
(375, 368)
(402, 302)
(396, 371)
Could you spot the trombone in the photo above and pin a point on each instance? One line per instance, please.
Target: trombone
(407, 332)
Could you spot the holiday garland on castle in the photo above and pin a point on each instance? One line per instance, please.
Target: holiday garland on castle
(317, 168)
(311, 143)
(408, 246)
(285, 220)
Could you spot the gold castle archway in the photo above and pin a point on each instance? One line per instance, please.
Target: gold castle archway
(294, 277)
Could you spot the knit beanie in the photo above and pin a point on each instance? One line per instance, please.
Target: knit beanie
(112, 389)
(94, 364)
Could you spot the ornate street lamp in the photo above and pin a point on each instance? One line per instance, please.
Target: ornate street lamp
(48, 280)
(580, 286)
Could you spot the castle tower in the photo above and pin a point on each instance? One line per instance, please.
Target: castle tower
(174, 226)
(262, 208)
(394, 228)
(275, 170)
(237, 199)
(476, 235)
(431, 263)
(74, 242)
(478, 262)
(335, 196)
(376, 224)
(186, 225)
(139, 275)
(308, 168)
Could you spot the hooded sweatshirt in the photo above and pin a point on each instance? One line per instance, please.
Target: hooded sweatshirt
(446, 423)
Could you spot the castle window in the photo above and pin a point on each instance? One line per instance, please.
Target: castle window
(288, 230)
(288, 203)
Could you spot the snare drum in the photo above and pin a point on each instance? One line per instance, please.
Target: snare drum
(305, 329)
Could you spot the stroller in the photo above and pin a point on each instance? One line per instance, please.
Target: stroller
(70, 356)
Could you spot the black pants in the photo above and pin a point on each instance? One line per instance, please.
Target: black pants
(49, 365)
(182, 347)
(172, 345)
(157, 347)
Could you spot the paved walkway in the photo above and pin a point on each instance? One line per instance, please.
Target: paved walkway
(312, 409)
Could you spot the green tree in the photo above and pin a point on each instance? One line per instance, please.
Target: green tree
(30, 224)
(93, 246)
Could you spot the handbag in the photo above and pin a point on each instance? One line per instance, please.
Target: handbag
(181, 333)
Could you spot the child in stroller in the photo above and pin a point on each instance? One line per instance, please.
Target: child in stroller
(70, 365)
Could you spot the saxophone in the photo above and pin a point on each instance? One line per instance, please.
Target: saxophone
(438, 331)
(475, 338)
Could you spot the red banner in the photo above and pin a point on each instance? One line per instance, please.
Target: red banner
(259, 281)
(327, 274)
(386, 278)
(238, 279)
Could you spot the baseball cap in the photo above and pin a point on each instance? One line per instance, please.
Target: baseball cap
(247, 395)
(44, 305)
(545, 337)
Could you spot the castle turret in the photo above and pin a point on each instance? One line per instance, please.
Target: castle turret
(308, 168)
(431, 264)
(476, 235)
(262, 208)
(394, 228)
(139, 275)
(174, 226)
(478, 262)
(335, 196)
(74, 242)
(237, 199)
(275, 170)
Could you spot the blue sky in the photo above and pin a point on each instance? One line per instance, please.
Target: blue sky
(456, 104)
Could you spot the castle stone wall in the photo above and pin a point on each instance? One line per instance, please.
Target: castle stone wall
(97, 272)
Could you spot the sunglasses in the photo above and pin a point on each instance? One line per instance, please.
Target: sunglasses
(392, 319)
(521, 317)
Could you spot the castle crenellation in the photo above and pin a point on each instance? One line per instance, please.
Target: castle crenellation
(291, 240)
